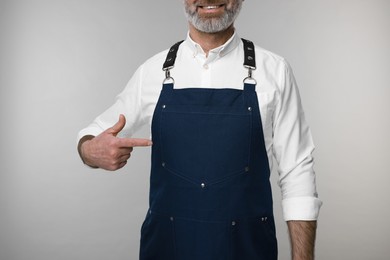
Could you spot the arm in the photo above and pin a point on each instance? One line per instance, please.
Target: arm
(99, 145)
(293, 148)
(106, 150)
(302, 238)
(81, 153)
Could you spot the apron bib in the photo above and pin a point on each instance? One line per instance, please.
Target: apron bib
(210, 196)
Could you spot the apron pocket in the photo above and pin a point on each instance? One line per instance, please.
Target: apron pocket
(157, 238)
(197, 240)
(254, 239)
(205, 147)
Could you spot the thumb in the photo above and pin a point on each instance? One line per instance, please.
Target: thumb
(115, 129)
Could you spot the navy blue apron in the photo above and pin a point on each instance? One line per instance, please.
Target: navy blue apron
(210, 195)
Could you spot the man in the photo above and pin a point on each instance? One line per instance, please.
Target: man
(213, 142)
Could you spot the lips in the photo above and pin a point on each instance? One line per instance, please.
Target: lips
(210, 7)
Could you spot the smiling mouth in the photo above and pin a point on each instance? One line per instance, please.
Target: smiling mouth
(211, 7)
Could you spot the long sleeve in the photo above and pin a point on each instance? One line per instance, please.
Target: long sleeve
(128, 103)
(293, 147)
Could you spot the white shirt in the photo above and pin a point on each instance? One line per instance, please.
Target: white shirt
(286, 133)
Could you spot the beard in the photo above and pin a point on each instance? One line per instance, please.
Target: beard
(213, 24)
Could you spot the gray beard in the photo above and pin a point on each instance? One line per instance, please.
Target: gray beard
(213, 25)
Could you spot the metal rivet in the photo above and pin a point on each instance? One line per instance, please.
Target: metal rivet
(262, 219)
(250, 58)
(171, 218)
(249, 109)
(164, 106)
(233, 223)
(163, 164)
(202, 185)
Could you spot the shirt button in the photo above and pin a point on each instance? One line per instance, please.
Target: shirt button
(206, 67)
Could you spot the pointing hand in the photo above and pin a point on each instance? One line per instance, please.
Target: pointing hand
(109, 152)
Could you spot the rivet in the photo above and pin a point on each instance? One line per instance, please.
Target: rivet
(202, 185)
(233, 223)
(171, 218)
(250, 58)
(164, 106)
(163, 164)
(249, 108)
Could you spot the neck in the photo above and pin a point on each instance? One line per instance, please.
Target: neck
(209, 41)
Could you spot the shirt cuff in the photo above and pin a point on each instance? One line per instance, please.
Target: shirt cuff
(301, 208)
(88, 131)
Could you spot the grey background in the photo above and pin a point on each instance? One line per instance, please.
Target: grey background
(63, 62)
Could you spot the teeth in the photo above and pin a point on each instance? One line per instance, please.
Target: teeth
(211, 7)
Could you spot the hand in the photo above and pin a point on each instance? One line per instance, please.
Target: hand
(109, 152)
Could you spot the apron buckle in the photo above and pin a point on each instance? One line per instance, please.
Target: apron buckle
(168, 78)
(250, 78)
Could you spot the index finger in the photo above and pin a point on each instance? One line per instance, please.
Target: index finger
(134, 142)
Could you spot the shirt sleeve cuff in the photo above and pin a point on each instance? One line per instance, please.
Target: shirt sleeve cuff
(301, 208)
(88, 131)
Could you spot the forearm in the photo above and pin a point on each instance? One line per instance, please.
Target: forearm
(80, 150)
(302, 238)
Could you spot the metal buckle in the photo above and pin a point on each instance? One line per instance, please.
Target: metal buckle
(250, 78)
(168, 76)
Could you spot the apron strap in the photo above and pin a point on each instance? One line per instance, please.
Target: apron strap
(249, 60)
(249, 52)
(170, 62)
(171, 57)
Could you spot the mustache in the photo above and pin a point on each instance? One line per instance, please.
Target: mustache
(209, 2)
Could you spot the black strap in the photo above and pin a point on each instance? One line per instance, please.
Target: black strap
(171, 57)
(249, 52)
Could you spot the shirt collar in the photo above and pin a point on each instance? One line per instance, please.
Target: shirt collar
(222, 50)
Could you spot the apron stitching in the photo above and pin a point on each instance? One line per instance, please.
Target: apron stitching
(209, 183)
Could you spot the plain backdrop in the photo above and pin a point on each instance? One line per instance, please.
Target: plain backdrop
(62, 62)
